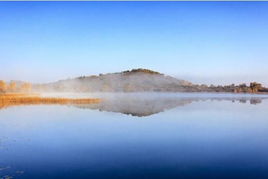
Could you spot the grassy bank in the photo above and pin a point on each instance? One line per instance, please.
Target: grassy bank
(7, 100)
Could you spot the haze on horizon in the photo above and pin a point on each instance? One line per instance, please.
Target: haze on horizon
(203, 42)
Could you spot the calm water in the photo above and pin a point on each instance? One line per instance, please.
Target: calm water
(138, 136)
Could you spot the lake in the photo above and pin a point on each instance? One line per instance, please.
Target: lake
(137, 136)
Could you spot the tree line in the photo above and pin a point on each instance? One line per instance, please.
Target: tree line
(13, 87)
(253, 87)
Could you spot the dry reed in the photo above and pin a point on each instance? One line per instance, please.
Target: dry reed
(7, 100)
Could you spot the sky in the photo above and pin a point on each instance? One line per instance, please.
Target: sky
(204, 42)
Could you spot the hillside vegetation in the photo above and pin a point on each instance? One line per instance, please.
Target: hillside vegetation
(136, 80)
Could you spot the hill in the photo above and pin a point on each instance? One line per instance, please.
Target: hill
(140, 80)
(136, 80)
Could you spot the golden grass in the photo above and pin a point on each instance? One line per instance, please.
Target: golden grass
(7, 100)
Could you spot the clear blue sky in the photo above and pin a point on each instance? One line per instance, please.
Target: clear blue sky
(210, 42)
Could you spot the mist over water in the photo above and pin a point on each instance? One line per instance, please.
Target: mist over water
(154, 95)
(137, 135)
(145, 104)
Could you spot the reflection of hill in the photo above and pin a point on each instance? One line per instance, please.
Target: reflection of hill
(137, 104)
(141, 107)
(137, 107)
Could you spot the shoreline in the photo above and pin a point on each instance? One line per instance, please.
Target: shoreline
(16, 99)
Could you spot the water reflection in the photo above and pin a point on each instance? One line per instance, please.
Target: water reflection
(208, 137)
(137, 107)
(141, 107)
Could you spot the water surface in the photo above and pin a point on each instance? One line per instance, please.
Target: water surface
(138, 136)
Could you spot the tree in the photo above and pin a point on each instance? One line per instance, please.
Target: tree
(243, 85)
(255, 87)
(242, 88)
(3, 86)
(12, 86)
(26, 87)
